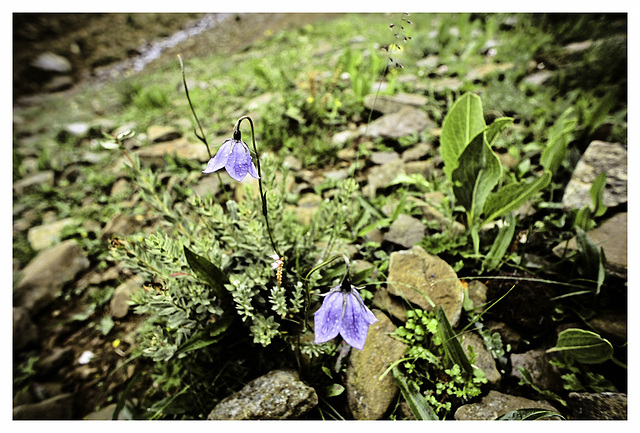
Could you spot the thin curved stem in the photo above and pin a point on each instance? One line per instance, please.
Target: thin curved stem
(263, 197)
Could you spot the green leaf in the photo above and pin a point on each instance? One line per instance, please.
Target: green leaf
(333, 390)
(528, 414)
(209, 272)
(500, 245)
(452, 346)
(560, 134)
(463, 122)
(498, 125)
(207, 336)
(596, 190)
(417, 402)
(585, 347)
(478, 173)
(592, 259)
(512, 196)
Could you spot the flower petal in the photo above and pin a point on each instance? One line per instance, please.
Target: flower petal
(239, 160)
(355, 323)
(252, 171)
(220, 160)
(328, 317)
(369, 317)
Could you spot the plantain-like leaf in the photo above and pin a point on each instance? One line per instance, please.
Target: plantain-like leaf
(418, 404)
(585, 347)
(463, 122)
(497, 127)
(528, 414)
(512, 196)
(209, 272)
(478, 173)
(501, 244)
(452, 346)
(596, 190)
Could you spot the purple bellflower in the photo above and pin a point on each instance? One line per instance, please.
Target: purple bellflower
(343, 312)
(235, 157)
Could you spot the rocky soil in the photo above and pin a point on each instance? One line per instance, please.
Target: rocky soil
(79, 372)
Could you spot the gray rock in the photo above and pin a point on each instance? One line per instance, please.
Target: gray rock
(441, 85)
(507, 334)
(598, 406)
(418, 277)
(277, 395)
(369, 397)
(484, 360)
(599, 157)
(477, 293)
(396, 307)
(59, 407)
(612, 326)
(121, 225)
(207, 184)
(611, 235)
(24, 331)
(380, 158)
(423, 168)
(407, 121)
(417, 152)
(496, 404)
(341, 138)
(47, 274)
(154, 154)
(58, 83)
(162, 133)
(51, 62)
(44, 236)
(387, 104)
(52, 363)
(119, 303)
(30, 183)
(406, 231)
(308, 206)
(536, 361)
(538, 78)
(380, 176)
(486, 70)
(106, 413)
(428, 62)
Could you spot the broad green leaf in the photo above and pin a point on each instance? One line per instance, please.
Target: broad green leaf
(478, 173)
(207, 335)
(501, 244)
(584, 346)
(463, 122)
(452, 346)
(209, 272)
(418, 404)
(596, 190)
(528, 414)
(512, 196)
(497, 127)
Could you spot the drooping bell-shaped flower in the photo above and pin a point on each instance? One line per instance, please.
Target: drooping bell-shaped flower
(235, 157)
(343, 312)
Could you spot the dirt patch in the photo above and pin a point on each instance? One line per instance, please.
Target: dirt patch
(103, 46)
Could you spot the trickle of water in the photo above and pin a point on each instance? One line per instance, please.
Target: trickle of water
(155, 49)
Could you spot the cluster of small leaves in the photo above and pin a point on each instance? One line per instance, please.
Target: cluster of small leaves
(442, 383)
(234, 239)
